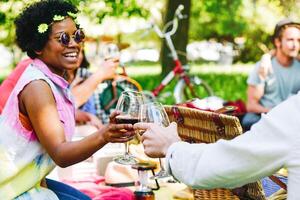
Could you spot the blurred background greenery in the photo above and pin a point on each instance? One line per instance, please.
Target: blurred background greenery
(246, 25)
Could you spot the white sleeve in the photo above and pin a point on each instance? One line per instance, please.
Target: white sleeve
(257, 153)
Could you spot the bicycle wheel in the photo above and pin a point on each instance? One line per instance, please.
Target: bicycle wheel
(108, 92)
(182, 92)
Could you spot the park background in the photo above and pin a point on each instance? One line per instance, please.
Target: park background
(220, 39)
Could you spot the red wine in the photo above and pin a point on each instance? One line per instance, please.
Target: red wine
(126, 120)
(140, 195)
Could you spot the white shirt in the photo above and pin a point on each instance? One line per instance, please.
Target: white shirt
(272, 143)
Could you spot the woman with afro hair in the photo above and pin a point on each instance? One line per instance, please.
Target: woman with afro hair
(37, 121)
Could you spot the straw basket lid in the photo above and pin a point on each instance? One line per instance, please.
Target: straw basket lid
(203, 126)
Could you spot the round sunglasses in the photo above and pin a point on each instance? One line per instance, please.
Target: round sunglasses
(65, 39)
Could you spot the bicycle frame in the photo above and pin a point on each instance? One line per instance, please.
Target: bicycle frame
(177, 69)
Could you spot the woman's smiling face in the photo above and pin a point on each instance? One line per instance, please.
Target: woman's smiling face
(59, 57)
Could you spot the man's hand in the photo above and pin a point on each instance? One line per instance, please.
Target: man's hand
(157, 139)
(265, 67)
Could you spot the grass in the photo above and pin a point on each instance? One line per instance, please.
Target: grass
(227, 86)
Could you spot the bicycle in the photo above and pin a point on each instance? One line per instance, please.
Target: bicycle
(188, 86)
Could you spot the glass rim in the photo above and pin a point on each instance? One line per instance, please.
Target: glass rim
(153, 103)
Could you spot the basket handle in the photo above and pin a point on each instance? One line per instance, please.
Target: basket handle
(218, 123)
(177, 115)
(278, 182)
(228, 110)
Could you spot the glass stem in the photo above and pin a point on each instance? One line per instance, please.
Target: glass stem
(161, 165)
(126, 148)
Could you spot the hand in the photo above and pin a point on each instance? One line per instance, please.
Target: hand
(265, 67)
(94, 121)
(157, 139)
(88, 118)
(108, 68)
(81, 116)
(117, 133)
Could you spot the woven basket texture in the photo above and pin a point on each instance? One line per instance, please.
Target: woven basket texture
(197, 126)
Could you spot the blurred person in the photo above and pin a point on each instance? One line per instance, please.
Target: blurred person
(83, 84)
(268, 86)
(9, 83)
(37, 120)
(271, 144)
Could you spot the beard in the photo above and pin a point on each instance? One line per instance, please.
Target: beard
(289, 53)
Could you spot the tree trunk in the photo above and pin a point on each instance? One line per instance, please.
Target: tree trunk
(180, 38)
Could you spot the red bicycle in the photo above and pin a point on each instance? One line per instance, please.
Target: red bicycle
(188, 86)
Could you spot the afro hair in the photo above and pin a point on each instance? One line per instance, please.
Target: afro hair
(27, 36)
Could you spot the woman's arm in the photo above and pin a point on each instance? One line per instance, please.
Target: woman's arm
(84, 90)
(45, 121)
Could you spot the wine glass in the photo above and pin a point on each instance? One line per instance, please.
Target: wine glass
(154, 112)
(110, 51)
(129, 104)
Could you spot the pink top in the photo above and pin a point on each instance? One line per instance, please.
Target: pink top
(24, 161)
(60, 89)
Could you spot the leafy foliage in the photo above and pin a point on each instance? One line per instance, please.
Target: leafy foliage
(220, 19)
(253, 20)
(113, 8)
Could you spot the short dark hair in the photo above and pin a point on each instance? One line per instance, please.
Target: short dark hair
(281, 26)
(27, 36)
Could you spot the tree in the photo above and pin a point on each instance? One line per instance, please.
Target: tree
(95, 10)
(180, 38)
(253, 20)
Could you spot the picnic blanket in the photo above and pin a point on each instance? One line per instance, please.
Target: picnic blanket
(94, 187)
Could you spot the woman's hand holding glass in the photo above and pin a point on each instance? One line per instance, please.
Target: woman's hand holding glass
(111, 60)
(129, 106)
(117, 133)
(108, 69)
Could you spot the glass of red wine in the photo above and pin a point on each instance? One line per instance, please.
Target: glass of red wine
(129, 104)
(154, 112)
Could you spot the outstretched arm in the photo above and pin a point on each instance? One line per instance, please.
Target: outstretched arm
(256, 154)
(46, 123)
(263, 150)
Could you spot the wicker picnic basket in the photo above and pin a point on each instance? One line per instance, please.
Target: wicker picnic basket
(196, 126)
